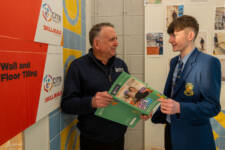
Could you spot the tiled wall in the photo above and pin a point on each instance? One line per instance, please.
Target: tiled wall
(128, 18)
(63, 134)
(54, 130)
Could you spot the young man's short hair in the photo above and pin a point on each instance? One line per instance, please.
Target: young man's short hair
(182, 23)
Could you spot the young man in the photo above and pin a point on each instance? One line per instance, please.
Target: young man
(86, 85)
(193, 90)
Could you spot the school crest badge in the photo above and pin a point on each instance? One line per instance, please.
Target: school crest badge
(189, 89)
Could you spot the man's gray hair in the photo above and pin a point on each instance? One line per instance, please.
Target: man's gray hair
(96, 29)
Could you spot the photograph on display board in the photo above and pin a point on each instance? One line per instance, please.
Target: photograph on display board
(201, 41)
(153, 1)
(223, 68)
(220, 18)
(219, 44)
(154, 43)
(173, 12)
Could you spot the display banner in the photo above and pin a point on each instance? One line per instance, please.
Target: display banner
(21, 71)
(72, 15)
(50, 26)
(70, 137)
(68, 56)
(52, 82)
(218, 126)
(19, 18)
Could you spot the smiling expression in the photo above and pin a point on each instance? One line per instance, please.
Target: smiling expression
(107, 42)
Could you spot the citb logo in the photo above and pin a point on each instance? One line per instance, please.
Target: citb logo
(48, 83)
(51, 82)
(47, 12)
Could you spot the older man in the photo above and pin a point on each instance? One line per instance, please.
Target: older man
(86, 85)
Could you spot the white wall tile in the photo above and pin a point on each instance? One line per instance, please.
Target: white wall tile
(92, 3)
(134, 25)
(120, 48)
(117, 21)
(134, 7)
(36, 137)
(92, 21)
(135, 63)
(120, 56)
(134, 45)
(109, 7)
(139, 76)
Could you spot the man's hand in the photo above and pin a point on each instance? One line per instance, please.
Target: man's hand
(169, 106)
(146, 117)
(101, 99)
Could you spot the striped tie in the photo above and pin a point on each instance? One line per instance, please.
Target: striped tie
(178, 77)
(179, 71)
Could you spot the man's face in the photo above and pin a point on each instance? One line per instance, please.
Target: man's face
(179, 40)
(108, 42)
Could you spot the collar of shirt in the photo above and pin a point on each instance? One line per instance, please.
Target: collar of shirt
(185, 59)
(110, 62)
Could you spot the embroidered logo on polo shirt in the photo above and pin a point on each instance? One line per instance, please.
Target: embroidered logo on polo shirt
(119, 70)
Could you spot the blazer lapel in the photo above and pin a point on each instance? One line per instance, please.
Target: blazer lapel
(187, 68)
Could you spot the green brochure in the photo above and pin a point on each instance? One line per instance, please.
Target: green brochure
(120, 113)
(132, 98)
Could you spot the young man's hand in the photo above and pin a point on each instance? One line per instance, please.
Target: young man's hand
(169, 106)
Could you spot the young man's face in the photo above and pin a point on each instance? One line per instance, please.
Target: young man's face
(108, 42)
(179, 40)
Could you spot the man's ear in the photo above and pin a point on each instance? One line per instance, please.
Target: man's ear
(96, 43)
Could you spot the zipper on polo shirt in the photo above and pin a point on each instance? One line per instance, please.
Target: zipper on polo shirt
(110, 78)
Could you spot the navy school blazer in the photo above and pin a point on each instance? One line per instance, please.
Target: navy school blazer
(198, 93)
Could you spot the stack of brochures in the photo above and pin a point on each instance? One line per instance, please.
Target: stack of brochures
(132, 98)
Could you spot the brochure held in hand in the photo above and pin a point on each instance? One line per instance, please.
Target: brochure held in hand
(132, 98)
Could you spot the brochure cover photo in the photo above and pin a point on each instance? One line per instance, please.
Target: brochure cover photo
(135, 93)
(132, 99)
